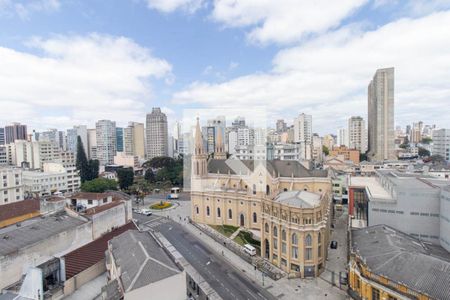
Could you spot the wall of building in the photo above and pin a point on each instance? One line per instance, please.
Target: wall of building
(445, 218)
(106, 220)
(73, 283)
(14, 265)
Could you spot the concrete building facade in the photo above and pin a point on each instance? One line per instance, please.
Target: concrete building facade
(357, 134)
(11, 185)
(441, 143)
(156, 134)
(106, 141)
(381, 129)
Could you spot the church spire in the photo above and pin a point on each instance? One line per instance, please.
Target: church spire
(198, 139)
(219, 152)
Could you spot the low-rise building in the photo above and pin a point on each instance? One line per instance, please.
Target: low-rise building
(348, 154)
(128, 161)
(295, 232)
(407, 202)
(45, 183)
(388, 264)
(11, 185)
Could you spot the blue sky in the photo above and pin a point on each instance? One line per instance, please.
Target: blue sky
(71, 62)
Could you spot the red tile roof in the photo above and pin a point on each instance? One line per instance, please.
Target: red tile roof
(90, 254)
(19, 208)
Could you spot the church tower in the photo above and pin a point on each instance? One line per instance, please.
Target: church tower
(219, 151)
(199, 158)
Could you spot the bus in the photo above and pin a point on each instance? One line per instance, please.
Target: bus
(174, 193)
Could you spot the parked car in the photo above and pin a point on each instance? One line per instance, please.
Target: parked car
(334, 245)
(136, 210)
(249, 249)
(146, 212)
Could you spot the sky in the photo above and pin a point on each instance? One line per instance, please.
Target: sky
(64, 63)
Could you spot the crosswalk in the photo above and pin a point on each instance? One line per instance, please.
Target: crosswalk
(156, 222)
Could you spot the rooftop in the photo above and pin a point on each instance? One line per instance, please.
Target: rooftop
(89, 196)
(90, 254)
(141, 259)
(281, 168)
(407, 180)
(300, 199)
(404, 260)
(98, 209)
(19, 208)
(371, 184)
(14, 238)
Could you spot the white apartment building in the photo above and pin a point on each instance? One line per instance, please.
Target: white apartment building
(106, 141)
(245, 136)
(441, 143)
(45, 183)
(3, 155)
(73, 179)
(232, 141)
(342, 137)
(357, 134)
(303, 129)
(251, 152)
(11, 186)
(316, 148)
(32, 154)
(381, 129)
(287, 152)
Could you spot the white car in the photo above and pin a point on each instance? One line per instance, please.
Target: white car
(146, 212)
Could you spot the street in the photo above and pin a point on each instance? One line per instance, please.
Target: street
(227, 280)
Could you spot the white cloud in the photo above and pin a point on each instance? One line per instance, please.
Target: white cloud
(168, 6)
(25, 8)
(283, 21)
(328, 76)
(84, 78)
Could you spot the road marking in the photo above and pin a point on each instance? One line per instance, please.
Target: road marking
(261, 295)
(250, 293)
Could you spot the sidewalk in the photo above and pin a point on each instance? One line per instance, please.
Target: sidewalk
(284, 288)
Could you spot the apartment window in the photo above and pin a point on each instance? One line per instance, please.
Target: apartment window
(283, 235)
(218, 212)
(196, 210)
(294, 252)
(230, 214)
(283, 247)
(266, 227)
(89, 201)
(275, 231)
(105, 200)
(255, 218)
(207, 211)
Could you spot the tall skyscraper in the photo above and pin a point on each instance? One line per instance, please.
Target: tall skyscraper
(303, 129)
(281, 126)
(92, 143)
(72, 138)
(156, 133)
(342, 137)
(2, 136)
(106, 141)
(381, 115)
(133, 137)
(119, 139)
(16, 131)
(357, 134)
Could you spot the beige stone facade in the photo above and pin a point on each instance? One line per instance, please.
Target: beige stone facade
(287, 203)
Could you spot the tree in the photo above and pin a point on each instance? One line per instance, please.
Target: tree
(149, 176)
(82, 163)
(99, 185)
(404, 146)
(126, 177)
(437, 159)
(93, 168)
(159, 162)
(424, 152)
(362, 157)
(325, 150)
(426, 140)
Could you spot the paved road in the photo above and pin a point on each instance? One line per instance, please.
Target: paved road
(228, 281)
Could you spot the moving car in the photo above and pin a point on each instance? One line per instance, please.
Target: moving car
(174, 193)
(146, 212)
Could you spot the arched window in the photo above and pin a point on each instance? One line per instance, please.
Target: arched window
(230, 214)
(266, 227)
(308, 240)
(254, 189)
(294, 239)
(275, 231)
(207, 211)
(197, 210)
(283, 235)
(267, 190)
(255, 218)
(319, 238)
(218, 212)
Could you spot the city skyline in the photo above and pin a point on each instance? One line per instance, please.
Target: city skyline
(148, 69)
